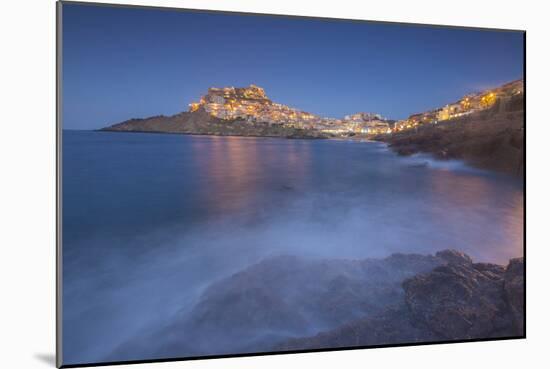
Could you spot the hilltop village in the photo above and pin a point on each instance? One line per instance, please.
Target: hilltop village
(253, 106)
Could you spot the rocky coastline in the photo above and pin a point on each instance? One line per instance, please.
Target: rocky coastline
(289, 303)
(458, 300)
(493, 139)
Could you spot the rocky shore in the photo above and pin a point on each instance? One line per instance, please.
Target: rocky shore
(458, 300)
(292, 303)
(492, 139)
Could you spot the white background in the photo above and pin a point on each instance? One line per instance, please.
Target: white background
(27, 182)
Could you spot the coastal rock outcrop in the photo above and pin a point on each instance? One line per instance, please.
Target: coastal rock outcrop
(294, 303)
(459, 300)
(514, 286)
(289, 296)
(283, 297)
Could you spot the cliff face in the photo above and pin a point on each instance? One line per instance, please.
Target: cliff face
(288, 296)
(291, 303)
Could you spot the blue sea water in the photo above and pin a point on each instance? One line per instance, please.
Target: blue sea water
(150, 220)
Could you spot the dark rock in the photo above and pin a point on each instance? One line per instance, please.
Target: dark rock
(460, 301)
(285, 297)
(457, 301)
(393, 326)
(454, 257)
(293, 303)
(490, 270)
(514, 286)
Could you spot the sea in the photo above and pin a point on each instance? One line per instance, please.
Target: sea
(151, 220)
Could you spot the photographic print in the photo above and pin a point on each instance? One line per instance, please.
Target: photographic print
(234, 183)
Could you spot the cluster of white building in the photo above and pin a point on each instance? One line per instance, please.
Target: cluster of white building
(359, 123)
(251, 104)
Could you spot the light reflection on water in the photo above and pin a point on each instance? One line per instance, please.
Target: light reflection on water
(232, 170)
(487, 221)
(150, 220)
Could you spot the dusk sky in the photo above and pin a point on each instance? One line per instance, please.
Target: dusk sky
(121, 63)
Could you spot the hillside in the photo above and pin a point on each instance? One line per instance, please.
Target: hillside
(459, 300)
(229, 111)
(489, 138)
(200, 122)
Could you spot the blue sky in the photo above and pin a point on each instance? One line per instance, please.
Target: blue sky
(121, 63)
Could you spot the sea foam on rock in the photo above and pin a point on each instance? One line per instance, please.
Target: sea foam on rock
(459, 300)
(295, 303)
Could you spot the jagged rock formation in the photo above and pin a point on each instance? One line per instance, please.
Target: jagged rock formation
(459, 300)
(292, 303)
(288, 296)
